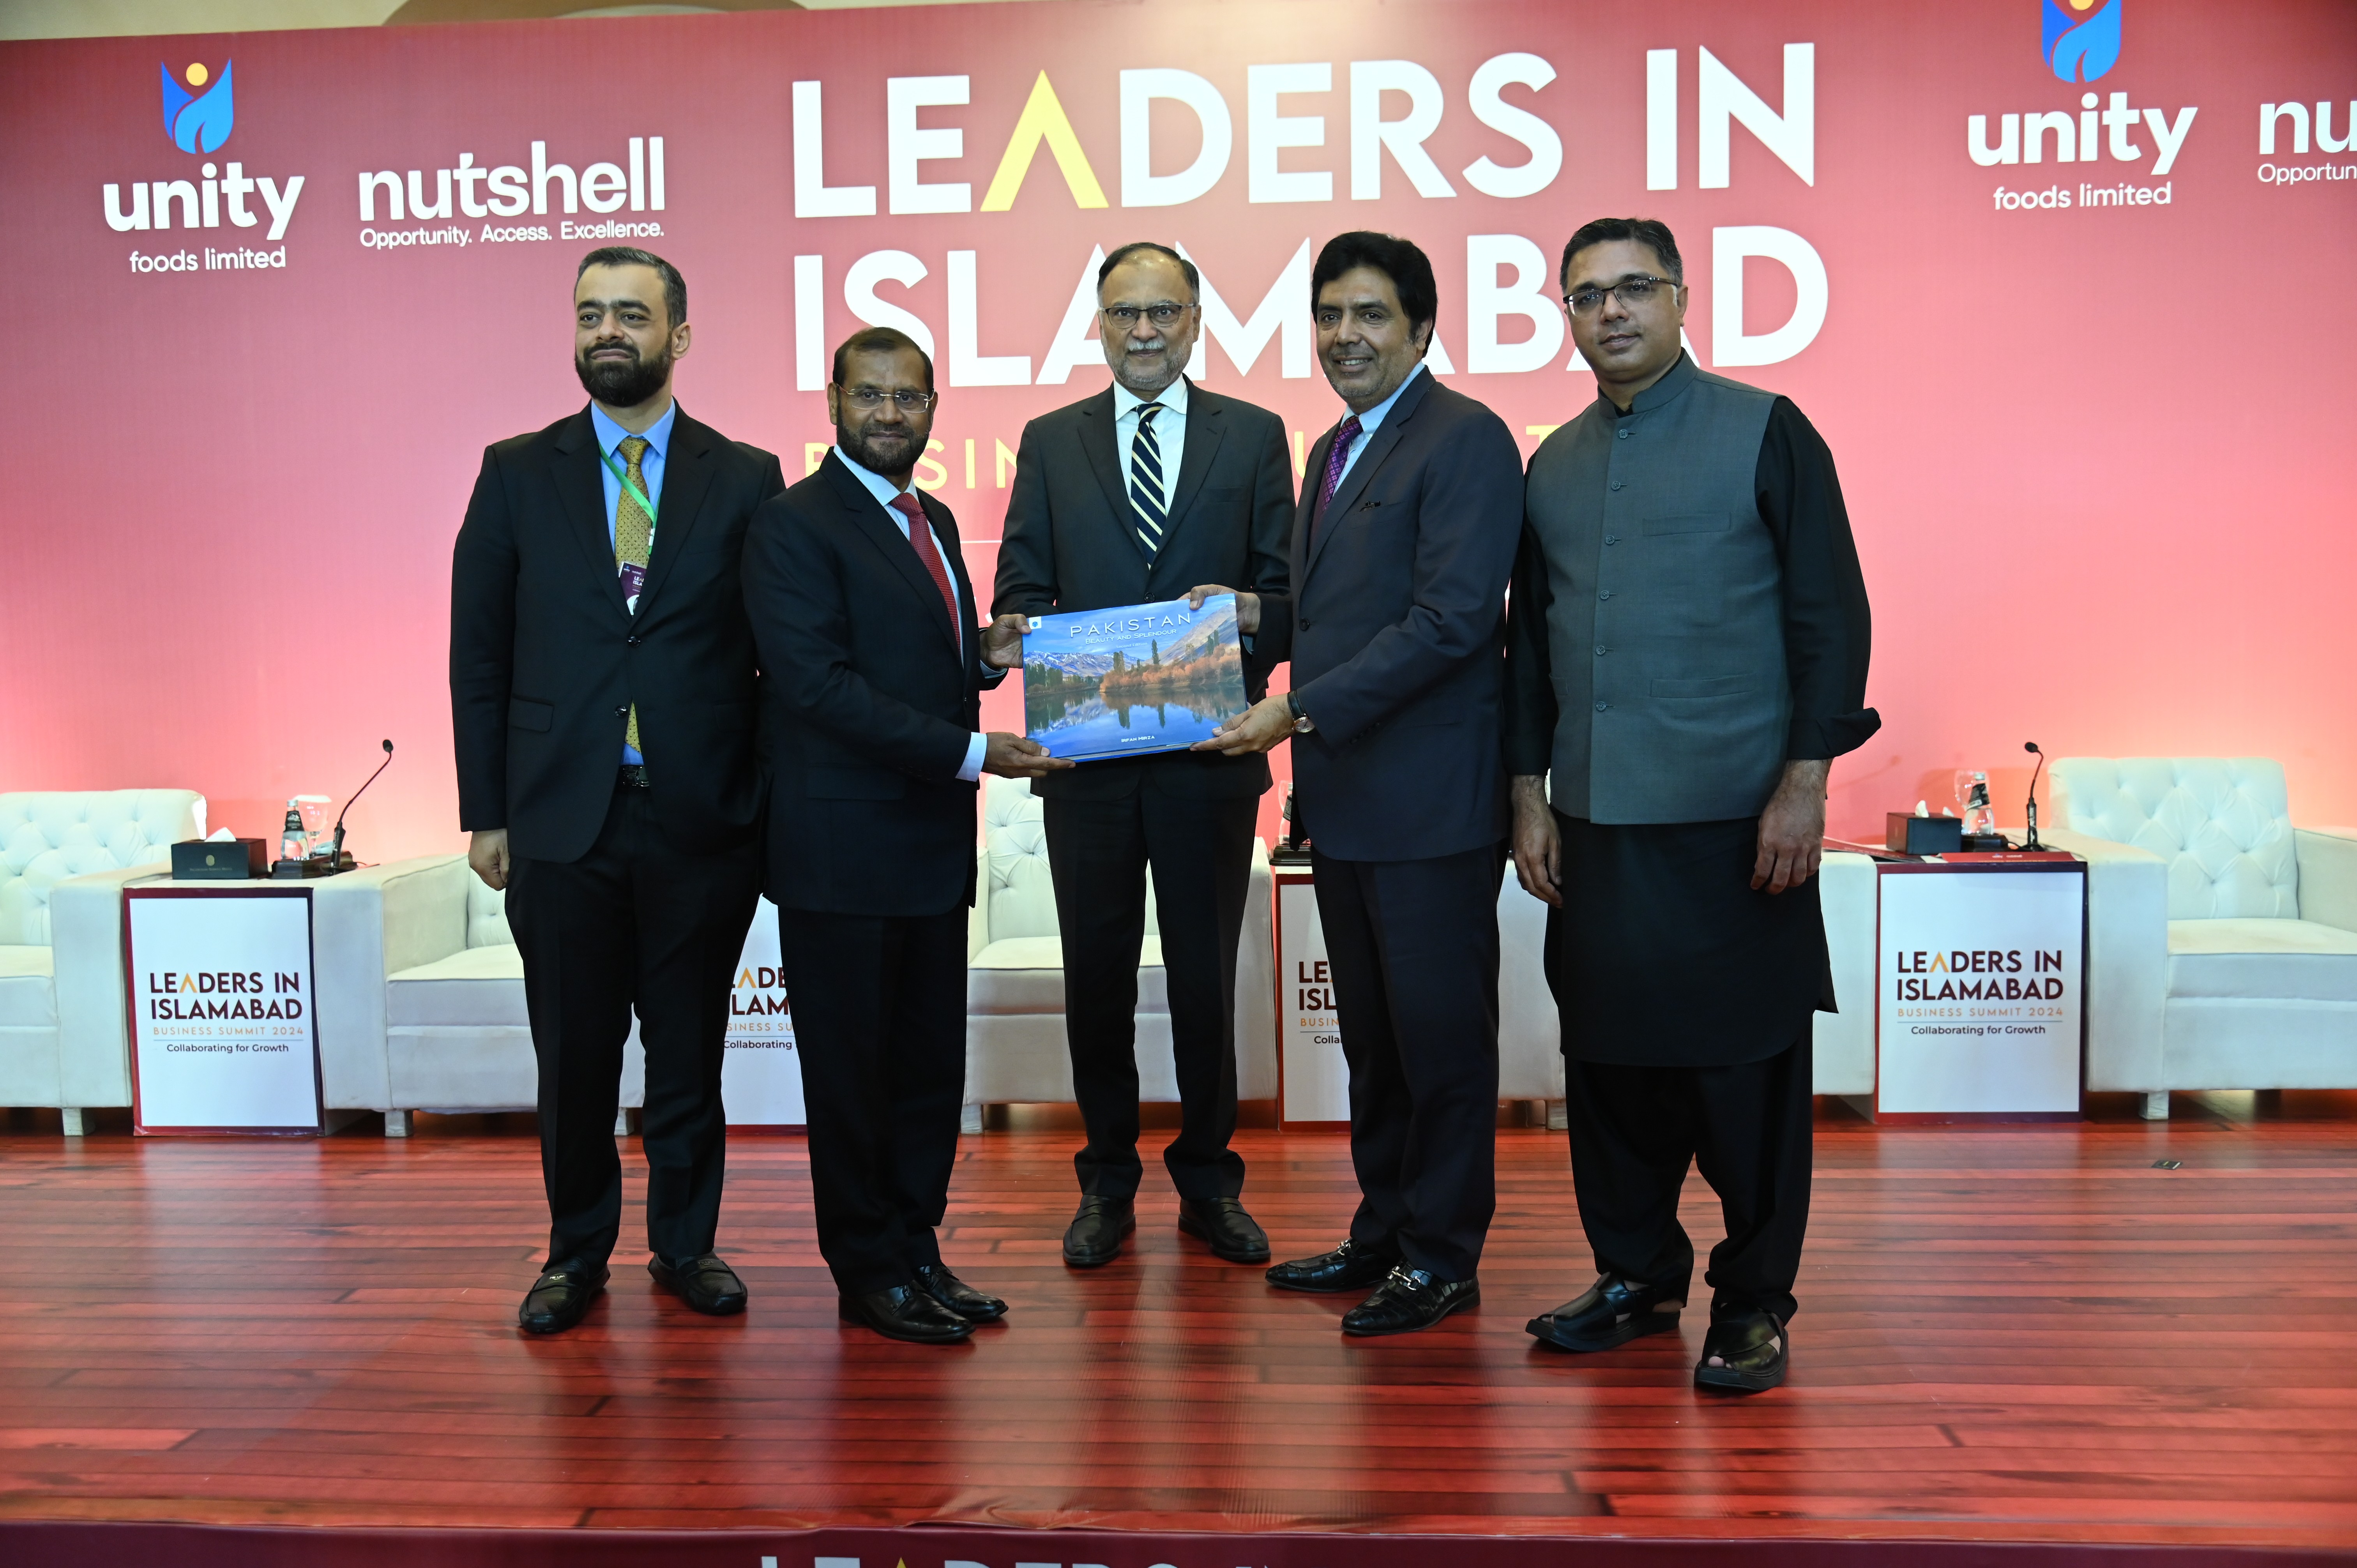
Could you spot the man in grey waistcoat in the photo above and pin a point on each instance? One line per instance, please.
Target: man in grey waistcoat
(1687, 654)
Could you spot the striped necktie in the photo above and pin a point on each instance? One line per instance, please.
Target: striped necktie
(1145, 482)
(633, 533)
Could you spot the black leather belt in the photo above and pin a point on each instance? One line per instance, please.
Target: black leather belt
(633, 776)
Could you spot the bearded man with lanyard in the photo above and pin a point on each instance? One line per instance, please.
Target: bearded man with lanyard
(602, 687)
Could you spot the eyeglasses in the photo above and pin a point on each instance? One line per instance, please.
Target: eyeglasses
(1632, 292)
(906, 401)
(1124, 316)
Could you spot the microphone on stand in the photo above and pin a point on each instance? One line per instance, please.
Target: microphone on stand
(337, 857)
(2029, 839)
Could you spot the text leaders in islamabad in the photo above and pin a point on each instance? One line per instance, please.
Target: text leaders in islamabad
(601, 695)
(1686, 655)
(871, 736)
(1402, 545)
(1133, 496)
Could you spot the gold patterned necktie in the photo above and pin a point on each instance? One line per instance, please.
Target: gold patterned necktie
(634, 531)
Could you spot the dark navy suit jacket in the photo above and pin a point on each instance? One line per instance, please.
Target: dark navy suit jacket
(1393, 631)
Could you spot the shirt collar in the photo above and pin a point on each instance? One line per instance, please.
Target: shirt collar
(1674, 381)
(883, 489)
(1173, 399)
(1373, 418)
(611, 435)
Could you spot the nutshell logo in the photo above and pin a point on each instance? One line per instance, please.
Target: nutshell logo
(2082, 38)
(200, 121)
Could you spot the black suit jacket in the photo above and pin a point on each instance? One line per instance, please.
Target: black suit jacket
(1069, 545)
(1393, 632)
(870, 700)
(546, 657)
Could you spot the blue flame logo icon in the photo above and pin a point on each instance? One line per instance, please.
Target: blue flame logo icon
(2080, 47)
(199, 122)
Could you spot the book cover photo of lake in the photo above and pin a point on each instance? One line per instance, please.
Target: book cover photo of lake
(1142, 678)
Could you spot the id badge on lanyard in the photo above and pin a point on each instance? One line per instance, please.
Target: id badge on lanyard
(634, 574)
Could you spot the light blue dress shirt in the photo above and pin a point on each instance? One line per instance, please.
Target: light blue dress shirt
(1369, 423)
(883, 491)
(651, 473)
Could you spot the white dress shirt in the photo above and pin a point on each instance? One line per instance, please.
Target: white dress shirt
(1169, 433)
(883, 491)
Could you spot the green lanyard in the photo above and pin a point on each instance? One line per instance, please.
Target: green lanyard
(622, 477)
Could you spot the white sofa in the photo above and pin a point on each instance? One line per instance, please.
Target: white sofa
(1015, 1050)
(2222, 939)
(451, 1018)
(64, 856)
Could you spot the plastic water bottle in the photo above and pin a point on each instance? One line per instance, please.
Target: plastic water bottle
(293, 844)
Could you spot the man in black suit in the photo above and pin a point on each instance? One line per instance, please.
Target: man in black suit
(1146, 491)
(602, 699)
(1402, 545)
(872, 736)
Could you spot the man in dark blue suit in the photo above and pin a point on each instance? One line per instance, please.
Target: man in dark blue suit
(1403, 541)
(871, 736)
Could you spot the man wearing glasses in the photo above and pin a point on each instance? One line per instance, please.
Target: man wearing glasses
(1148, 491)
(1687, 653)
(872, 674)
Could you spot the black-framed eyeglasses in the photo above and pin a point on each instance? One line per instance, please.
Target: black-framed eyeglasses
(906, 399)
(1632, 292)
(1165, 315)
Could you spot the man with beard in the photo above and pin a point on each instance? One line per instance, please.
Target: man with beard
(1141, 493)
(602, 690)
(1686, 655)
(871, 731)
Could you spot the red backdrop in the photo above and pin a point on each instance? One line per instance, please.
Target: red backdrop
(2096, 456)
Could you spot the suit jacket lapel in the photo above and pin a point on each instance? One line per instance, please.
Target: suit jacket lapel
(1204, 429)
(1102, 441)
(867, 520)
(582, 495)
(1370, 457)
(687, 477)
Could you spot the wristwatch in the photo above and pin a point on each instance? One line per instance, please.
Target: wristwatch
(1302, 722)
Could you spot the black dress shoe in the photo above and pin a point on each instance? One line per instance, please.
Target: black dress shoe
(904, 1312)
(1613, 1311)
(1408, 1300)
(1353, 1265)
(957, 1296)
(1221, 1224)
(705, 1284)
(559, 1297)
(1094, 1235)
(1745, 1351)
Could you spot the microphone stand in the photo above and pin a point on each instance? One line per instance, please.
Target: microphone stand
(337, 857)
(2029, 839)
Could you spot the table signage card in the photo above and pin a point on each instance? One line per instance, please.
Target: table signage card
(1133, 680)
(223, 1026)
(761, 1073)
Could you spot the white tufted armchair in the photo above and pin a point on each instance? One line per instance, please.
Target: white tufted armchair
(64, 856)
(2222, 939)
(1015, 1050)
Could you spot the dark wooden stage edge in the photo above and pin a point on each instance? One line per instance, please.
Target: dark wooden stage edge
(2115, 1341)
(204, 1546)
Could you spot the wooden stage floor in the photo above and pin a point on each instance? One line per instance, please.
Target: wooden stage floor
(2008, 1334)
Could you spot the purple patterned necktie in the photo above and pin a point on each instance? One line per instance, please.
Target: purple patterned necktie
(1344, 439)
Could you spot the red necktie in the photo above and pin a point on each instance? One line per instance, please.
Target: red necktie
(921, 540)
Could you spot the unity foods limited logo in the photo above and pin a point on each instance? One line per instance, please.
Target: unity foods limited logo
(199, 116)
(199, 113)
(2082, 38)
